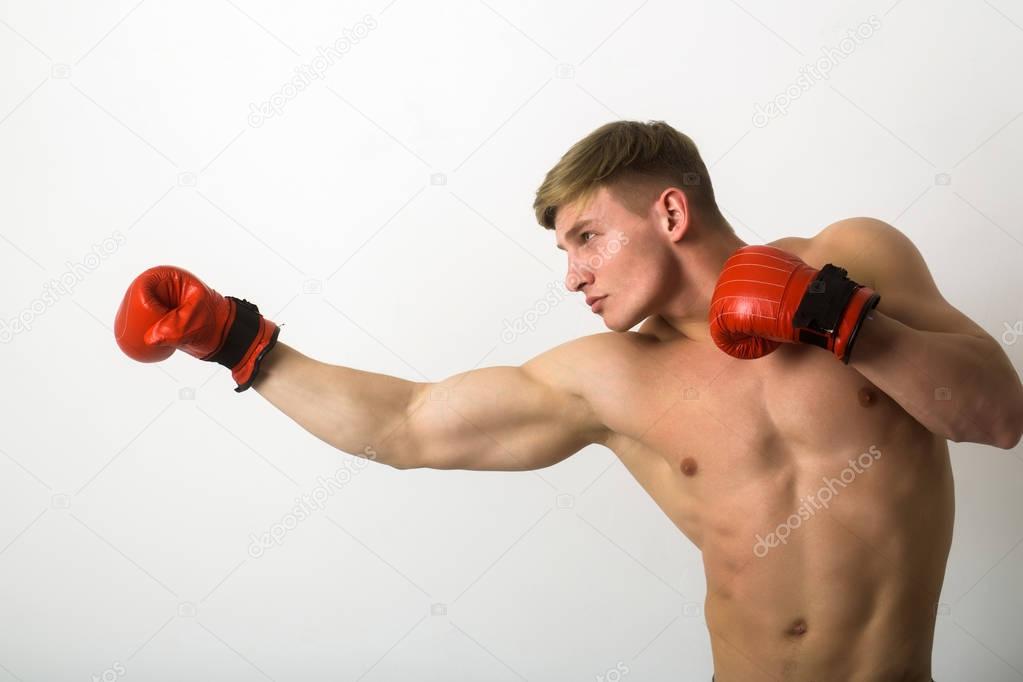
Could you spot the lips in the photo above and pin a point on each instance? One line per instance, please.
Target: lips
(594, 301)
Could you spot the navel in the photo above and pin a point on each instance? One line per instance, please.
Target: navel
(798, 628)
(688, 466)
(867, 396)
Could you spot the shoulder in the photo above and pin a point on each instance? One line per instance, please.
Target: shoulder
(871, 250)
(882, 257)
(856, 231)
(579, 366)
(861, 237)
(585, 372)
(586, 352)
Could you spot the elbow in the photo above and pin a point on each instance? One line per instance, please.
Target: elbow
(391, 457)
(1010, 426)
(1008, 442)
(401, 456)
(1009, 432)
(401, 465)
(1004, 433)
(401, 434)
(998, 423)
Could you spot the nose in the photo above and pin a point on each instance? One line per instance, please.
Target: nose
(578, 276)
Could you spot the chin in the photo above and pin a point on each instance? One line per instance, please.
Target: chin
(618, 325)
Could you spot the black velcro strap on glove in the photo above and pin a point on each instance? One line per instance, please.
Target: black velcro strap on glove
(240, 336)
(823, 304)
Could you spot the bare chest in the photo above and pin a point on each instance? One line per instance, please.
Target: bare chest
(682, 396)
(702, 431)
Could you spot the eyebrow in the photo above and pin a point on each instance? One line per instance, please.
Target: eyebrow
(575, 228)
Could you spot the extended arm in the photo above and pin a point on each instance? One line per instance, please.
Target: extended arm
(496, 418)
(355, 411)
(493, 418)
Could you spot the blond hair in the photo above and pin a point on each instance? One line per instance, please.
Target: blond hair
(625, 152)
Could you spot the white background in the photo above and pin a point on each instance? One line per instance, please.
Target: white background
(384, 216)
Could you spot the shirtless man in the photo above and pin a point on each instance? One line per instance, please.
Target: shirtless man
(815, 482)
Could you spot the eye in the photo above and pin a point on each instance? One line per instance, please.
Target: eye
(583, 235)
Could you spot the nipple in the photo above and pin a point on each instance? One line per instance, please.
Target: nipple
(688, 466)
(867, 396)
(798, 628)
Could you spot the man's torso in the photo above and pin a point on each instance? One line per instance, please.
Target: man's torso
(818, 567)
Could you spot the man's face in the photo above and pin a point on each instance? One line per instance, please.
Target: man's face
(616, 255)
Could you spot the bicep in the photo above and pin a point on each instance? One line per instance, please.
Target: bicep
(498, 419)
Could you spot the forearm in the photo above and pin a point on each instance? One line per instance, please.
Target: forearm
(959, 386)
(358, 412)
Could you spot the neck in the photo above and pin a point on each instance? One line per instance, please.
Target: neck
(687, 311)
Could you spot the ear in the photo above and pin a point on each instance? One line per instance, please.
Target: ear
(674, 209)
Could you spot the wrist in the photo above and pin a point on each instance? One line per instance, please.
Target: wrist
(248, 338)
(832, 311)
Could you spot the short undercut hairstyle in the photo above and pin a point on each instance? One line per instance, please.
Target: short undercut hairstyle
(623, 155)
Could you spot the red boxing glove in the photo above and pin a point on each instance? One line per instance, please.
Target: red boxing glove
(166, 308)
(765, 296)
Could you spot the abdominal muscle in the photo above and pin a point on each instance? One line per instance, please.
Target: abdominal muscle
(802, 584)
(850, 595)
